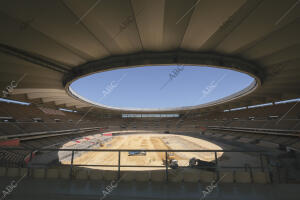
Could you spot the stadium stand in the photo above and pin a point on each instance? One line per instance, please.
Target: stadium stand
(47, 45)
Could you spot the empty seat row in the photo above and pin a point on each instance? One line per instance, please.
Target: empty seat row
(190, 175)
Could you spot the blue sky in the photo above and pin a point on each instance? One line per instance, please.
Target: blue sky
(160, 86)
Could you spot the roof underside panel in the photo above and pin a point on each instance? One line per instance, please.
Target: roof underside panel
(45, 40)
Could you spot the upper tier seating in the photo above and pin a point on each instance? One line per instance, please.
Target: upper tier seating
(23, 120)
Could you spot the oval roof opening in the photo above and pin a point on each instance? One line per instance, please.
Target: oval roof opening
(161, 87)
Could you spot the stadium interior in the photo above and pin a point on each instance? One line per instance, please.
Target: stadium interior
(57, 144)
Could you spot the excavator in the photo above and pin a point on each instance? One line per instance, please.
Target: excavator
(193, 163)
(200, 164)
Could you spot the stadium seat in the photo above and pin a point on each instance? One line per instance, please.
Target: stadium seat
(158, 175)
(81, 174)
(192, 176)
(242, 177)
(52, 174)
(128, 176)
(64, 173)
(110, 175)
(261, 177)
(95, 174)
(13, 172)
(206, 176)
(2, 171)
(143, 176)
(38, 173)
(226, 177)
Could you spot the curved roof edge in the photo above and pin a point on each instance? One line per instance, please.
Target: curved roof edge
(167, 58)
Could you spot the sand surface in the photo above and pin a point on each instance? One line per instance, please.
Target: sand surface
(154, 141)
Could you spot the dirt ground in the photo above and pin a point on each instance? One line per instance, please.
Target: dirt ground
(152, 141)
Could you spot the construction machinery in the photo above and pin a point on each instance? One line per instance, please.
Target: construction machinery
(101, 144)
(200, 164)
(172, 162)
(136, 153)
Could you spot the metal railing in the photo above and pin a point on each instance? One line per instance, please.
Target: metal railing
(216, 167)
